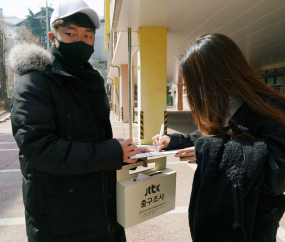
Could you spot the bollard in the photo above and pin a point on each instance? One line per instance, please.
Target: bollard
(165, 122)
(142, 134)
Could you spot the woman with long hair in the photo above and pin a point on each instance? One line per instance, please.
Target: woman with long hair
(240, 138)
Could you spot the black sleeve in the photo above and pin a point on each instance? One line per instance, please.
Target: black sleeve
(181, 141)
(34, 129)
(273, 134)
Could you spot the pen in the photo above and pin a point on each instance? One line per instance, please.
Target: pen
(160, 135)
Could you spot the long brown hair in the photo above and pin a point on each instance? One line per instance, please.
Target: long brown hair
(214, 70)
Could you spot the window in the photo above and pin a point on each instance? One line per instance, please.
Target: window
(279, 80)
(269, 81)
(274, 78)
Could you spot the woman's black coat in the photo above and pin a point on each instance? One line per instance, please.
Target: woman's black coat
(69, 178)
(271, 201)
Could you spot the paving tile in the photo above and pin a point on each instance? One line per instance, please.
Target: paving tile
(14, 165)
(6, 137)
(184, 178)
(282, 222)
(5, 128)
(279, 240)
(8, 145)
(13, 233)
(166, 227)
(11, 201)
(7, 157)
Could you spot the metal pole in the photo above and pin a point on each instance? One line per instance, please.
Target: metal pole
(130, 82)
(112, 94)
(119, 77)
(119, 94)
(111, 61)
(47, 24)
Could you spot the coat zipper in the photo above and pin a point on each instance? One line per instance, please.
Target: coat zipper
(236, 223)
(83, 107)
(103, 189)
(106, 214)
(234, 191)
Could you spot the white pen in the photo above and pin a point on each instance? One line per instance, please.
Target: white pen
(160, 135)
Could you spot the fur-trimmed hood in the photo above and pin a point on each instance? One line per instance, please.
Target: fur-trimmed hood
(25, 57)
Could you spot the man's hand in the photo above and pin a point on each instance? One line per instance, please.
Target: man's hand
(187, 154)
(128, 150)
(141, 150)
(163, 141)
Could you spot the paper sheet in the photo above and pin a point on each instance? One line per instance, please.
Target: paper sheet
(149, 154)
(141, 176)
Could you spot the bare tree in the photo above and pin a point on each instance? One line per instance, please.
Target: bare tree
(7, 75)
(25, 36)
(3, 49)
(102, 68)
(103, 72)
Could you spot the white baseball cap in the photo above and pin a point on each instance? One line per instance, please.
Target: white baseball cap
(66, 8)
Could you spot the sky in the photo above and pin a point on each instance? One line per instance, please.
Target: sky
(19, 8)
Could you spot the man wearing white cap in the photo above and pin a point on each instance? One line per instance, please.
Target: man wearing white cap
(60, 120)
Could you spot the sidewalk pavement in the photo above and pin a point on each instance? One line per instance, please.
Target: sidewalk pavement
(172, 226)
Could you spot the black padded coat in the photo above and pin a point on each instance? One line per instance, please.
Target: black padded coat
(69, 178)
(270, 202)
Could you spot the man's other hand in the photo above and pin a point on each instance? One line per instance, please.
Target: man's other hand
(141, 150)
(129, 149)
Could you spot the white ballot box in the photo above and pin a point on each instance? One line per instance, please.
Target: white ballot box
(138, 201)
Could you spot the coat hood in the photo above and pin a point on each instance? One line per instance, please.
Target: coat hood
(26, 57)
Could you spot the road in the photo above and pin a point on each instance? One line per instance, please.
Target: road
(172, 226)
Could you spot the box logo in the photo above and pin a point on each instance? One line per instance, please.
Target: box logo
(152, 189)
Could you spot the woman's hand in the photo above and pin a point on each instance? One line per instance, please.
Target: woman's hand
(163, 141)
(187, 154)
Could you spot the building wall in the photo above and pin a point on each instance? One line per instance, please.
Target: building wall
(99, 53)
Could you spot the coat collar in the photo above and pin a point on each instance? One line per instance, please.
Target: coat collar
(31, 57)
(56, 72)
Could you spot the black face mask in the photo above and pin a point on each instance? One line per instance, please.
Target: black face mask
(78, 52)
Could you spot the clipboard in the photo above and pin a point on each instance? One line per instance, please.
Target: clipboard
(151, 154)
